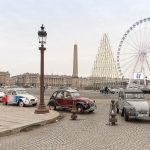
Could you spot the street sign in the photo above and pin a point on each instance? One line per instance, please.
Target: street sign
(138, 75)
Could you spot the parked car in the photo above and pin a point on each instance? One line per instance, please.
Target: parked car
(112, 90)
(104, 90)
(19, 96)
(1, 95)
(107, 90)
(132, 104)
(64, 99)
(145, 90)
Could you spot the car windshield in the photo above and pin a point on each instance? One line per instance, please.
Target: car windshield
(135, 96)
(75, 94)
(21, 92)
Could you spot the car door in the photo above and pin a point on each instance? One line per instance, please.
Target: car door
(59, 99)
(68, 99)
(16, 97)
(10, 97)
(121, 100)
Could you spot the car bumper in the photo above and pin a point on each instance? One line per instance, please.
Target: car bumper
(139, 116)
(30, 103)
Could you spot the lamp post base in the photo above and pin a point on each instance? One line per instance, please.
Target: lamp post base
(41, 110)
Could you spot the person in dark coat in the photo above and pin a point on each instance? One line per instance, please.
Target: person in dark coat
(106, 90)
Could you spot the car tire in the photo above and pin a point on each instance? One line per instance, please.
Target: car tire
(80, 108)
(52, 106)
(117, 111)
(6, 103)
(21, 103)
(122, 113)
(34, 104)
(91, 111)
(126, 116)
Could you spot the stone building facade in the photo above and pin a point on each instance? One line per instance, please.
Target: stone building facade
(4, 79)
(33, 80)
(26, 80)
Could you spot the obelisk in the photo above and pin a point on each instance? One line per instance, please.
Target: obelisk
(75, 79)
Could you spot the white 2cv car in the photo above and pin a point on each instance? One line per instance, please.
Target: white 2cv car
(19, 96)
(132, 104)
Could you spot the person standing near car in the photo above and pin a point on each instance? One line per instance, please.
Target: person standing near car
(106, 90)
(4, 99)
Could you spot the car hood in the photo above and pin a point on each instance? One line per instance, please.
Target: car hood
(27, 95)
(85, 99)
(139, 105)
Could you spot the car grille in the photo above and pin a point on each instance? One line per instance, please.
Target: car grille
(92, 104)
(142, 112)
(32, 100)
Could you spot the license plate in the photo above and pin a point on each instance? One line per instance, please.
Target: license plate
(142, 115)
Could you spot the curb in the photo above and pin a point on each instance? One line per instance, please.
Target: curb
(29, 127)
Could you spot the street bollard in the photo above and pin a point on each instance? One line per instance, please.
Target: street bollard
(112, 113)
(74, 110)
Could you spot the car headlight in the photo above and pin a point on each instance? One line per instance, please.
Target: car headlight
(132, 109)
(36, 99)
(27, 99)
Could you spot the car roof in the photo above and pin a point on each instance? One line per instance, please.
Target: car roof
(68, 90)
(131, 90)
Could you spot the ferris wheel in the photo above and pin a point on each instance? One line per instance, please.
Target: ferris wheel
(133, 55)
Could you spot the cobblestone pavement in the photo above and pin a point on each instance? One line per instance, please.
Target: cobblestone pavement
(88, 132)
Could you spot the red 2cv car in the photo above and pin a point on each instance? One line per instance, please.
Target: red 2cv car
(64, 98)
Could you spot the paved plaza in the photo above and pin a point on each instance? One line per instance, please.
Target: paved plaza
(88, 132)
(15, 119)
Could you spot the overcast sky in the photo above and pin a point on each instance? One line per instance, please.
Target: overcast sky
(66, 22)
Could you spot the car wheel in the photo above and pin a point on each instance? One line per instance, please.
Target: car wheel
(52, 106)
(21, 103)
(91, 111)
(122, 113)
(34, 104)
(126, 116)
(5, 103)
(80, 108)
(117, 111)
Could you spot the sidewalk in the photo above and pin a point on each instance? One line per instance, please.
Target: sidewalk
(15, 119)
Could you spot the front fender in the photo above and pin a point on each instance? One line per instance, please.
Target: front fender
(83, 104)
(50, 100)
(20, 98)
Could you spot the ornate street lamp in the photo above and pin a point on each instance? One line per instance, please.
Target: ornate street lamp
(42, 39)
